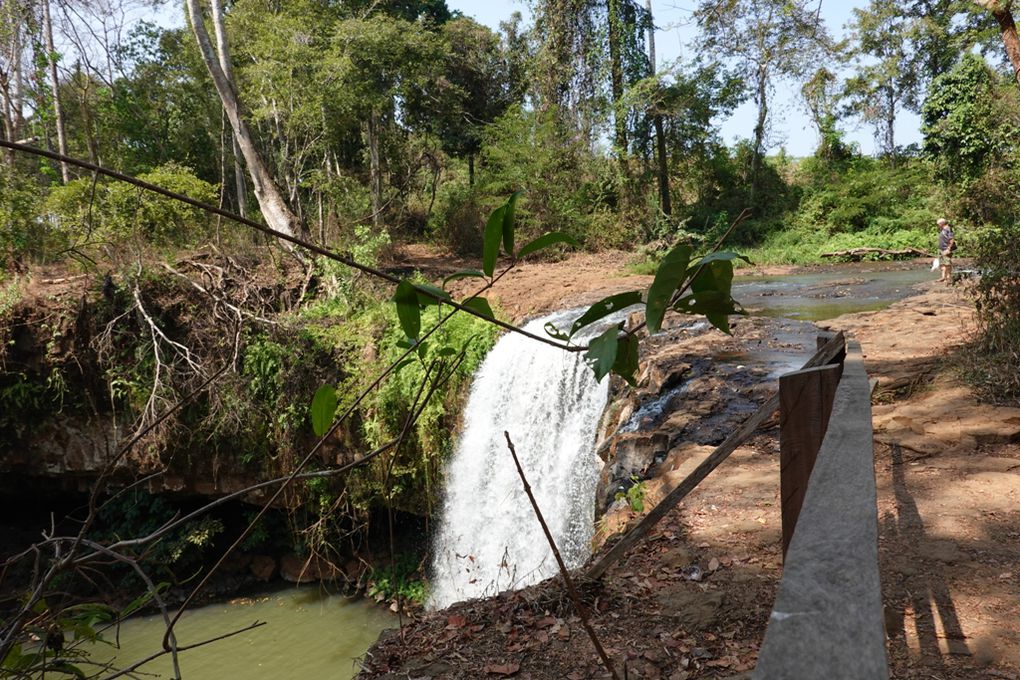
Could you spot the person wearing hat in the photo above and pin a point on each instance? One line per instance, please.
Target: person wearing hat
(947, 244)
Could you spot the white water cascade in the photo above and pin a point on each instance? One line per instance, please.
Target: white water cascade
(488, 538)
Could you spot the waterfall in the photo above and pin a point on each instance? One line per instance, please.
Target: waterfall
(488, 538)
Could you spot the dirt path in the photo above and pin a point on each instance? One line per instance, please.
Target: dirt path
(948, 470)
(692, 601)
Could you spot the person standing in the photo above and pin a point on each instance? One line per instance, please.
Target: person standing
(947, 244)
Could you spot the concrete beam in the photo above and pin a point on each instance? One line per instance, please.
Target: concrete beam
(827, 621)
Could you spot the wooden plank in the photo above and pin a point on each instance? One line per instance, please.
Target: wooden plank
(832, 348)
(805, 404)
(827, 621)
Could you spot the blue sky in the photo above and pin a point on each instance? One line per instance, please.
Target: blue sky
(791, 127)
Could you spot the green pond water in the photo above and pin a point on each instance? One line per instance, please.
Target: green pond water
(309, 635)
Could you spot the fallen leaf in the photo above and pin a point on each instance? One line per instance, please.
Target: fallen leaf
(456, 621)
(505, 669)
(713, 564)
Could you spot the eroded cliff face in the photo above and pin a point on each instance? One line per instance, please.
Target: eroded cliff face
(80, 376)
(696, 385)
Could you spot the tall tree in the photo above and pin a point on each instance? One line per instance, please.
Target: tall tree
(665, 202)
(1002, 11)
(274, 209)
(58, 111)
(884, 80)
(223, 54)
(767, 40)
(380, 64)
(821, 96)
(15, 22)
(473, 91)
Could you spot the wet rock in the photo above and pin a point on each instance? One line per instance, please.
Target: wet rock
(629, 455)
(262, 567)
(236, 563)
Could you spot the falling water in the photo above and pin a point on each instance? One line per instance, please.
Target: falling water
(488, 538)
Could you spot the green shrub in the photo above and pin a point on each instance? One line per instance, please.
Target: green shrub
(87, 213)
(457, 220)
(22, 233)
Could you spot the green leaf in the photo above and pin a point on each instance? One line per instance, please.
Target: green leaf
(323, 409)
(604, 308)
(552, 331)
(408, 313)
(480, 305)
(668, 277)
(546, 240)
(715, 306)
(716, 275)
(437, 294)
(406, 362)
(508, 222)
(601, 354)
(626, 363)
(13, 657)
(463, 274)
(490, 242)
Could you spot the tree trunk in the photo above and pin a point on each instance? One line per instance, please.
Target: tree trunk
(616, 75)
(665, 203)
(758, 155)
(1010, 40)
(17, 84)
(890, 125)
(240, 186)
(274, 209)
(58, 112)
(374, 166)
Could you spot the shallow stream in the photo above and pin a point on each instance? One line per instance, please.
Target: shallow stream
(843, 289)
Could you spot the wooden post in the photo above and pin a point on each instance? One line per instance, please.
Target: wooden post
(805, 404)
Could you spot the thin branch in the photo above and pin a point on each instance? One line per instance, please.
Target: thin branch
(578, 605)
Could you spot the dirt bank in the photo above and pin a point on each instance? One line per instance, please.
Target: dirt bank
(692, 601)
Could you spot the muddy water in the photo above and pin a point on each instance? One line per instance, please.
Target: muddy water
(309, 634)
(816, 296)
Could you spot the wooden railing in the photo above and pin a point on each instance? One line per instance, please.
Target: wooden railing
(827, 620)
